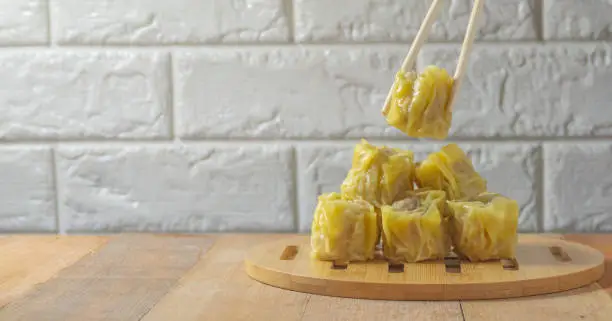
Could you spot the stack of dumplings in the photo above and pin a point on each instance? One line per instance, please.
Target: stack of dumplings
(416, 211)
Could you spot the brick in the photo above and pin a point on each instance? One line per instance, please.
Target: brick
(23, 22)
(555, 90)
(578, 186)
(577, 20)
(513, 170)
(169, 22)
(375, 20)
(81, 94)
(176, 188)
(27, 190)
(289, 92)
(321, 170)
(510, 169)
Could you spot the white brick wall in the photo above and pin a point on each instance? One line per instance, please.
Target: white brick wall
(207, 116)
(175, 188)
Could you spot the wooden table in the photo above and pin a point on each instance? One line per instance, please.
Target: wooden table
(185, 278)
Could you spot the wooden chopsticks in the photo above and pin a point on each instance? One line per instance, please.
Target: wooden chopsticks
(417, 43)
(466, 50)
(423, 34)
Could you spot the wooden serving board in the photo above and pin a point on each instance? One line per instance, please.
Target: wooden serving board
(542, 265)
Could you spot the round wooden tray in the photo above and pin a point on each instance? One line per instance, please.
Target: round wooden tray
(542, 265)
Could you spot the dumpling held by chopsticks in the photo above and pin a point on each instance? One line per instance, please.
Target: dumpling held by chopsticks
(419, 105)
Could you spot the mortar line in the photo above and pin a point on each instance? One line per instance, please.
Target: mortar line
(50, 42)
(290, 12)
(59, 222)
(542, 190)
(538, 12)
(168, 141)
(297, 182)
(172, 110)
(498, 44)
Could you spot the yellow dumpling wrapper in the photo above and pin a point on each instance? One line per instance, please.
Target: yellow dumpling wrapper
(452, 171)
(419, 106)
(401, 97)
(485, 227)
(379, 175)
(345, 230)
(415, 228)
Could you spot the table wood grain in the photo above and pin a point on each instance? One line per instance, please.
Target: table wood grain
(201, 277)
